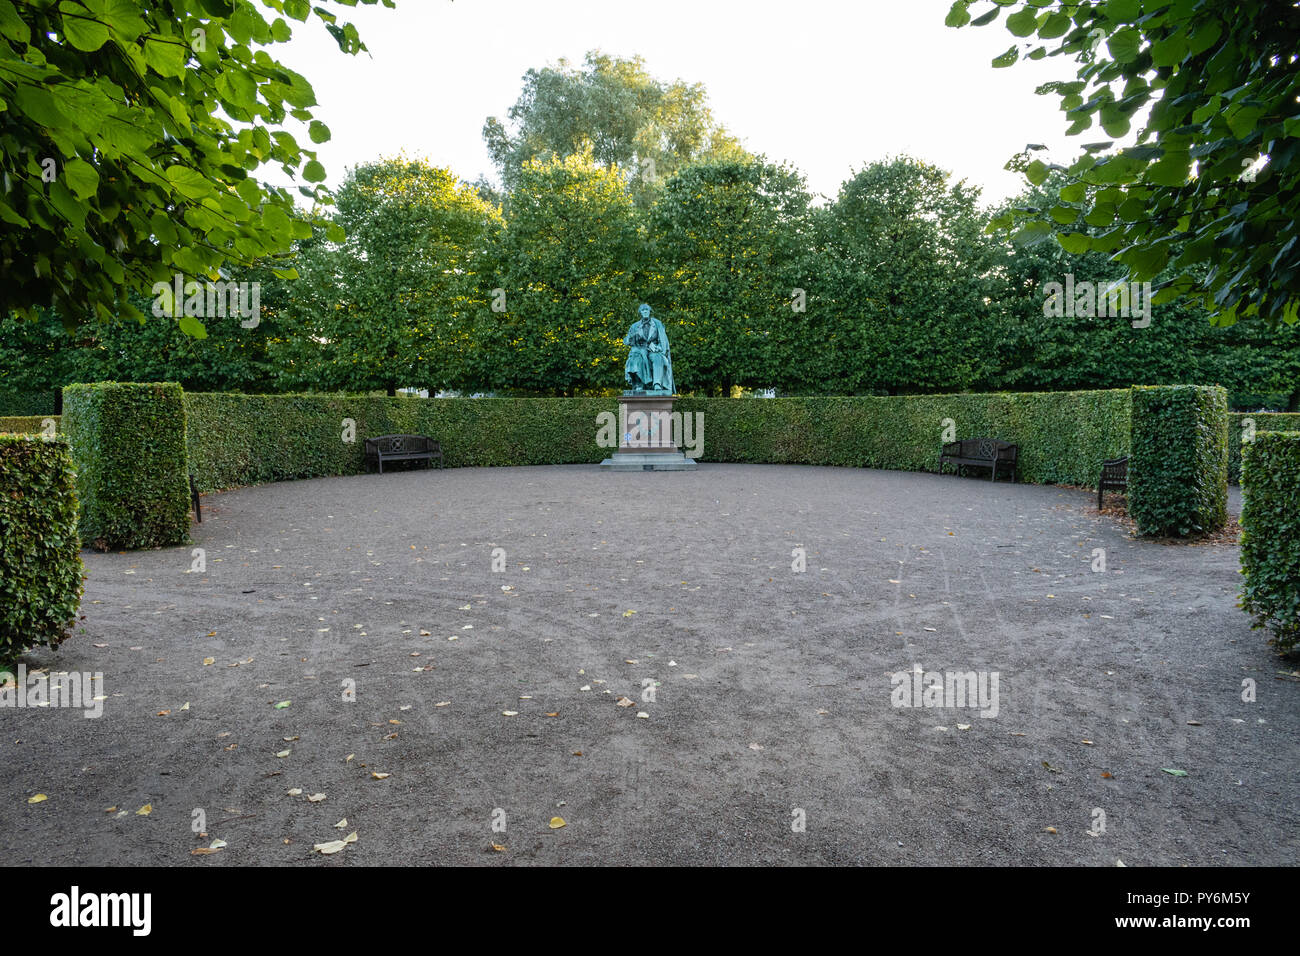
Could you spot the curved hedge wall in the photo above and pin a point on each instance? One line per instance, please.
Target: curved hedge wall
(237, 439)
(40, 559)
(1270, 534)
(1063, 436)
(128, 445)
(245, 439)
(1264, 422)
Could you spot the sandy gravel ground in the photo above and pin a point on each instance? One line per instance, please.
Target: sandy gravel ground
(490, 698)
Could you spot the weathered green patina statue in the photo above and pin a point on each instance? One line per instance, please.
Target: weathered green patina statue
(649, 368)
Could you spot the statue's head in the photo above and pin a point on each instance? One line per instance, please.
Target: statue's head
(644, 310)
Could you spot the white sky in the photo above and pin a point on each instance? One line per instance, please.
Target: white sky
(828, 86)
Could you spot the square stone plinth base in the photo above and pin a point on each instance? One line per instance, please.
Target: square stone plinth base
(648, 441)
(637, 461)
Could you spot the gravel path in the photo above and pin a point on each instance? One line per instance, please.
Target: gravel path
(770, 735)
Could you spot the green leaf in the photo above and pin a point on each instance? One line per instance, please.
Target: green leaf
(1173, 170)
(1032, 233)
(1064, 215)
(1123, 11)
(1144, 262)
(318, 131)
(1115, 122)
(1074, 192)
(1037, 172)
(958, 16)
(12, 25)
(123, 18)
(1006, 59)
(1023, 22)
(1173, 772)
(1075, 243)
(1170, 50)
(82, 178)
(1242, 121)
(1056, 25)
(313, 172)
(193, 327)
(166, 56)
(1205, 37)
(39, 105)
(81, 28)
(1125, 44)
(8, 215)
(240, 87)
(188, 182)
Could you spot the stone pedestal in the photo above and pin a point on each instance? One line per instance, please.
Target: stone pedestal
(648, 435)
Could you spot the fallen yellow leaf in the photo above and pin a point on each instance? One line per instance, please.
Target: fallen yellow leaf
(557, 822)
(334, 846)
(39, 798)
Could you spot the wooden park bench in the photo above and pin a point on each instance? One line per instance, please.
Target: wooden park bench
(980, 453)
(402, 448)
(1114, 476)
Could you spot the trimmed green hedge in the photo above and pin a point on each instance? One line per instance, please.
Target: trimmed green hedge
(1264, 422)
(40, 559)
(246, 439)
(1178, 472)
(1063, 436)
(1270, 534)
(27, 424)
(128, 444)
(27, 404)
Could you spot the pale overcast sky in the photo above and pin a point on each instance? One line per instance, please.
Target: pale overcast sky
(828, 86)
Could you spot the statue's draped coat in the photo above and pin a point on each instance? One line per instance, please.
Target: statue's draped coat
(654, 369)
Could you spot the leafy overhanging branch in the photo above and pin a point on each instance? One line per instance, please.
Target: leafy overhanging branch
(1213, 178)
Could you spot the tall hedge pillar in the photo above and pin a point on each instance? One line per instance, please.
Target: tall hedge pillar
(128, 445)
(1270, 534)
(40, 560)
(1178, 469)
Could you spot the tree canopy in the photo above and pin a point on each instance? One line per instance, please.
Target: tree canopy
(377, 309)
(1211, 187)
(131, 136)
(645, 127)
